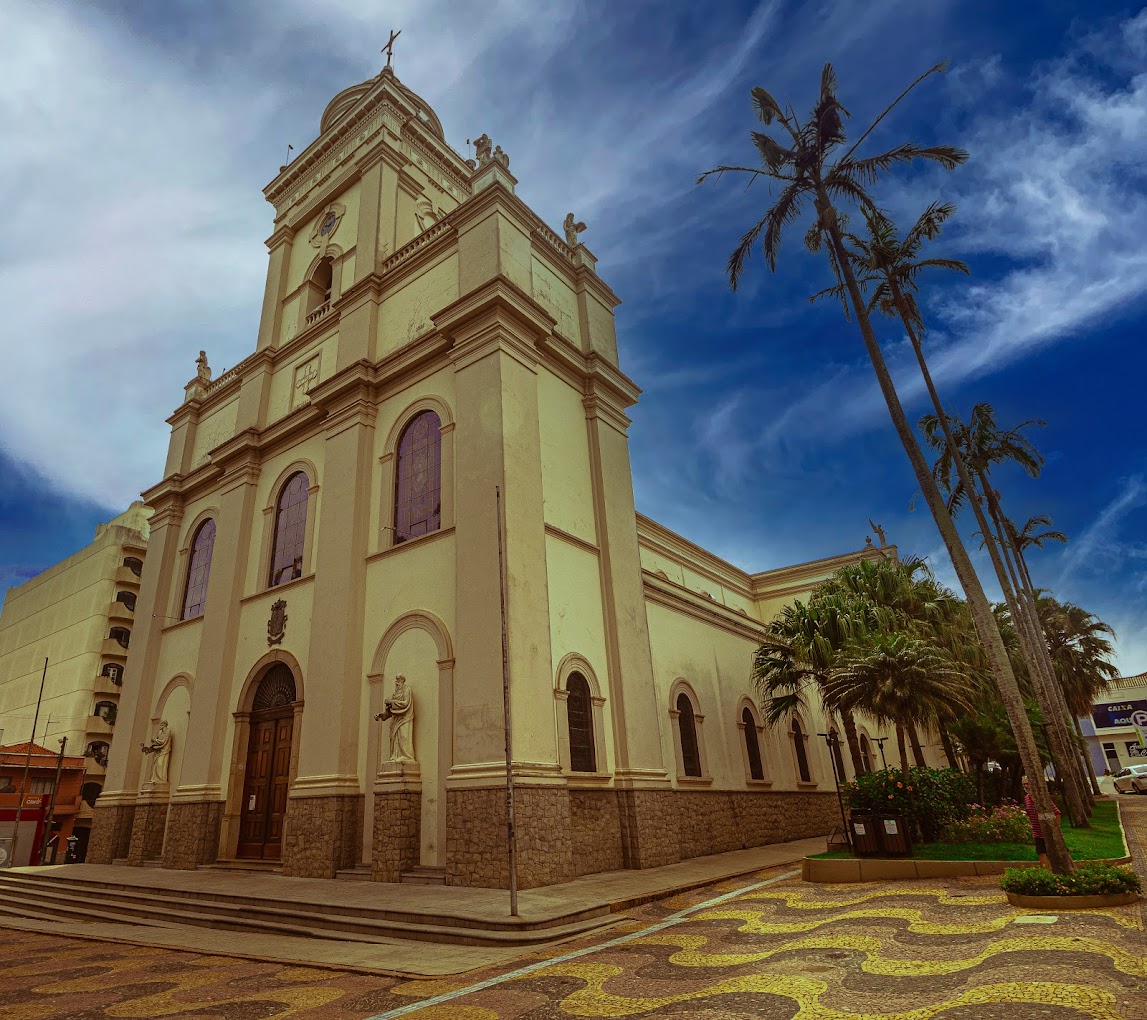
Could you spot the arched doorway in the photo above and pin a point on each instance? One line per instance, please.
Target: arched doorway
(267, 773)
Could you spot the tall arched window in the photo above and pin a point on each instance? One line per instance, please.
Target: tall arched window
(690, 755)
(837, 755)
(290, 530)
(802, 757)
(752, 747)
(195, 594)
(321, 282)
(865, 753)
(579, 709)
(418, 478)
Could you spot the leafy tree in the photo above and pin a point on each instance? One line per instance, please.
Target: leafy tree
(810, 170)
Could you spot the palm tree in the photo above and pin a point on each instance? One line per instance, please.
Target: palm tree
(979, 445)
(898, 679)
(809, 170)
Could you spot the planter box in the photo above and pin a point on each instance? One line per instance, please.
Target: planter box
(1072, 902)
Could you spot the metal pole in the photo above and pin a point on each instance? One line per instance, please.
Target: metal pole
(27, 763)
(511, 849)
(879, 742)
(52, 802)
(831, 741)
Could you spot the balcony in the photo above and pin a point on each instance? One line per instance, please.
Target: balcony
(106, 685)
(97, 726)
(119, 613)
(318, 313)
(112, 649)
(125, 575)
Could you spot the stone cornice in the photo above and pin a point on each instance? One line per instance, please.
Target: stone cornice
(659, 539)
(801, 576)
(712, 614)
(498, 303)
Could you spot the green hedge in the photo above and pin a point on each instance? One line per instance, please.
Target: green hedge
(932, 799)
(1092, 878)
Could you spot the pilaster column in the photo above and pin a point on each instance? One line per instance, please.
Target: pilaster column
(327, 787)
(280, 244)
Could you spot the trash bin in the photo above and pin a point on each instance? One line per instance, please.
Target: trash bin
(865, 837)
(894, 834)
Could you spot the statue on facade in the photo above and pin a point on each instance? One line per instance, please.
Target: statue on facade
(572, 229)
(399, 709)
(424, 213)
(501, 157)
(202, 369)
(482, 147)
(160, 746)
(879, 533)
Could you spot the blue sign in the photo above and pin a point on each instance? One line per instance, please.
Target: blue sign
(1124, 713)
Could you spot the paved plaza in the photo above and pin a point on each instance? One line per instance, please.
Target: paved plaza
(769, 947)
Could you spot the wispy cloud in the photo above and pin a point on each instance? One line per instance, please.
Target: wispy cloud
(1099, 546)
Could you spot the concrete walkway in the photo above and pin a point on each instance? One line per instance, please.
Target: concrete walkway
(614, 891)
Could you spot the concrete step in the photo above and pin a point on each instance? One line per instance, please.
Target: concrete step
(24, 895)
(253, 866)
(422, 875)
(359, 873)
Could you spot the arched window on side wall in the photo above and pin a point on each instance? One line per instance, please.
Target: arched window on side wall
(690, 754)
(579, 708)
(752, 746)
(320, 285)
(290, 530)
(195, 593)
(803, 772)
(865, 753)
(418, 478)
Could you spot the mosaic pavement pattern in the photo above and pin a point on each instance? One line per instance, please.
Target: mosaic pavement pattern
(897, 951)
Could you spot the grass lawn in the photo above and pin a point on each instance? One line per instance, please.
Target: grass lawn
(1102, 840)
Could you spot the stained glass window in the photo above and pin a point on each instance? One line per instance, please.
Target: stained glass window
(195, 594)
(290, 530)
(690, 756)
(418, 478)
(752, 747)
(579, 709)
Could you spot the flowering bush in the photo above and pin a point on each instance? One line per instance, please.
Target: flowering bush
(1090, 878)
(1007, 823)
(931, 798)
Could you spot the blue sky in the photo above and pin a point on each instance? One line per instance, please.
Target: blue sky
(138, 137)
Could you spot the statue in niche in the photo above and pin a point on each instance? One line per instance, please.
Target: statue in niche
(202, 369)
(482, 147)
(160, 746)
(424, 212)
(399, 709)
(572, 229)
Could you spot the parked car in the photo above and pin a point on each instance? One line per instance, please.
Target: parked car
(1132, 779)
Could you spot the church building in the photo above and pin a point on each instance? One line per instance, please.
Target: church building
(315, 684)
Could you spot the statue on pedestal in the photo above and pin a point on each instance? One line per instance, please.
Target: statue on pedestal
(572, 228)
(399, 709)
(160, 746)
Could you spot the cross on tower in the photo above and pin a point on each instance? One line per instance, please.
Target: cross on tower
(388, 49)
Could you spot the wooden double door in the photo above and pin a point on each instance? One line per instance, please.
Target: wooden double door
(265, 783)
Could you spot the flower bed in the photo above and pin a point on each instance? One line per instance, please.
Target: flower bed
(1092, 884)
(1007, 823)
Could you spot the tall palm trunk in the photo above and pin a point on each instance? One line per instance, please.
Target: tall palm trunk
(901, 746)
(1034, 645)
(917, 750)
(850, 734)
(949, 749)
(989, 634)
(1078, 800)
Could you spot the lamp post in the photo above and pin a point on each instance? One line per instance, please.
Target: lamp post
(833, 741)
(879, 742)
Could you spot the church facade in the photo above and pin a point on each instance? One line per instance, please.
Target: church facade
(316, 675)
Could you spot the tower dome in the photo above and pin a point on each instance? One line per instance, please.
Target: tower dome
(348, 99)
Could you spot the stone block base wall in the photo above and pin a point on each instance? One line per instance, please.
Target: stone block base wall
(397, 842)
(648, 828)
(147, 832)
(476, 837)
(111, 833)
(595, 832)
(192, 833)
(322, 835)
(563, 833)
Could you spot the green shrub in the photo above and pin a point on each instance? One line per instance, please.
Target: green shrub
(1091, 878)
(1008, 823)
(931, 798)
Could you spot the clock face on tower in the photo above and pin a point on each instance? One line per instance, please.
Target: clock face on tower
(329, 224)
